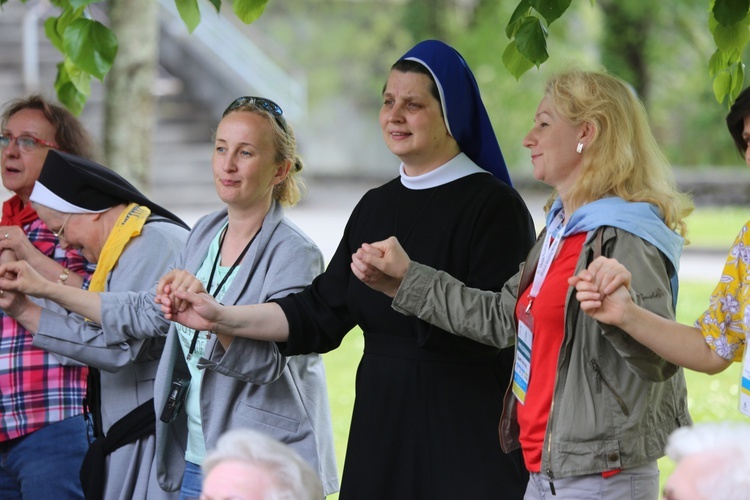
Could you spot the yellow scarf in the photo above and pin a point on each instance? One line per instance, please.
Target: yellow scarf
(127, 227)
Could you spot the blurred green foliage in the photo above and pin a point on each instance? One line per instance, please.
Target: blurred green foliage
(346, 49)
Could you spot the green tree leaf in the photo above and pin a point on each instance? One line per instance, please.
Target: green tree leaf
(91, 46)
(729, 12)
(718, 62)
(551, 10)
(67, 93)
(738, 80)
(515, 62)
(722, 85)
(216, 4)
(531, 40)
(50, 29)
(522, 11)
(189, 12)
(249, 10)
(54, 27)
(731, 38)
(79, 78)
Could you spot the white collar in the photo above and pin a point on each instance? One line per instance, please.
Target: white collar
(457, 167)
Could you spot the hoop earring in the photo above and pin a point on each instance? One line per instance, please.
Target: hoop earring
(579, 148)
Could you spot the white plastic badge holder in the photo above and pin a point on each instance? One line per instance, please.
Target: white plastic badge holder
(522, 370)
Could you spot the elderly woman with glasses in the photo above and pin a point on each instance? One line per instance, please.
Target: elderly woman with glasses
(245, 253)
(42, 427)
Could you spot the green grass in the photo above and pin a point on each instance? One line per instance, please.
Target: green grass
(711, 398)
(716, 227)
(341, 368)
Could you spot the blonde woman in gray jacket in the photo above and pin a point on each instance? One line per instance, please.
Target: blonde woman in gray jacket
(246, 253)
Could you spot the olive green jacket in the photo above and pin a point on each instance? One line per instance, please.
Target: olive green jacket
(615, 402)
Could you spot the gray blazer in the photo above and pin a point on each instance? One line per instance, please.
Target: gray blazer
(128, 368)
(250, 384)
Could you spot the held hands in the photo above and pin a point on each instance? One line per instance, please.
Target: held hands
(184, 300)
(602, 290)
(19, 276)
(13, 238)
(14, 281)
(176, 280)
(381, 265)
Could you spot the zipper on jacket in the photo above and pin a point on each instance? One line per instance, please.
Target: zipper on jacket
(601, 380)
(551, 483)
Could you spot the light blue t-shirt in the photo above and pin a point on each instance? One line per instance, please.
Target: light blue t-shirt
(196, 444)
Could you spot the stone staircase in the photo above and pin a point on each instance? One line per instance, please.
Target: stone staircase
(181, 160)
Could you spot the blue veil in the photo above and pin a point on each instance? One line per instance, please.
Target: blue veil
(465, 115)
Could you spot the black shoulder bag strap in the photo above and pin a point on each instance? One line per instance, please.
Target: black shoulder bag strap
(137, 424)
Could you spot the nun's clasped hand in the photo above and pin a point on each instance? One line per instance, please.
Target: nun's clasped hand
(381, 265)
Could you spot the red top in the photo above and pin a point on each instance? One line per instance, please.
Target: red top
(548, 312)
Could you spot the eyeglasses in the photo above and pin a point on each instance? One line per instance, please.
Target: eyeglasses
(59, 233)
(25, 143)
(262, 103)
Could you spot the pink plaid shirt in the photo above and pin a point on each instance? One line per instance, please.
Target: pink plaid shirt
(35, 388)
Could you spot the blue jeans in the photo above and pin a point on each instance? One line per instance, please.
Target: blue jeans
(49, 460)
(192, 482)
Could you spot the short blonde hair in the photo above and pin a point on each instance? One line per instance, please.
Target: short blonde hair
(623, 158)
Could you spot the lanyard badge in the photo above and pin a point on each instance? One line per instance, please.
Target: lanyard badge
(525, 340)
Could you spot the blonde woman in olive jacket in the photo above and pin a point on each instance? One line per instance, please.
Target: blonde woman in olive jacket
(615, 401)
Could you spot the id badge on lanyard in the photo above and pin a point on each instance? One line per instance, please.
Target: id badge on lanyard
(522, 365)
(745, 385)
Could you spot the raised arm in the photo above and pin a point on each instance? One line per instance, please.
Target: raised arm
(604, 294)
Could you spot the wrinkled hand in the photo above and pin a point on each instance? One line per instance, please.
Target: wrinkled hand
(198, 311)
(603, 290)
(174, 280)
(13, 238)
(13, 303)
(19, 276)
(381, 265)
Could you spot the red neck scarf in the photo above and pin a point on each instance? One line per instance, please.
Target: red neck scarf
(15, 214)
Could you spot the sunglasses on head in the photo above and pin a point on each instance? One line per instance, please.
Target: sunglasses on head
(261, 103)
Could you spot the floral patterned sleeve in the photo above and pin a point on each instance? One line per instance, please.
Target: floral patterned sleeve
(728, 317)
